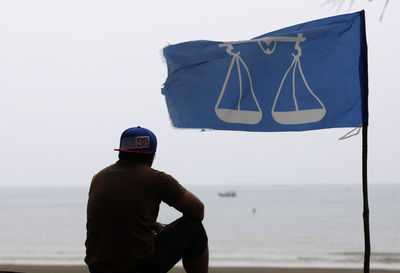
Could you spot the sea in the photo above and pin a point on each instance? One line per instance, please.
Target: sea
(263, 225)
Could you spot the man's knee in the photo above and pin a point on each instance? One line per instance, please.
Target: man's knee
(184, 238)
(196, 227)
(199, 239)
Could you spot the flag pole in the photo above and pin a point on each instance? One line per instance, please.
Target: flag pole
(367, 242)
(364, 95)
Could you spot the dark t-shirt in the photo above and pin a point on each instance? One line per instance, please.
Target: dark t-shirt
(122, 209)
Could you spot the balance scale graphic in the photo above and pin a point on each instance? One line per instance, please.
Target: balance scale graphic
(241, 116)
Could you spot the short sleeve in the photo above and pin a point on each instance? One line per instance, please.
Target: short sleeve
(169, 189)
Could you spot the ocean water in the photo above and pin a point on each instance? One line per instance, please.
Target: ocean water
(271, 225)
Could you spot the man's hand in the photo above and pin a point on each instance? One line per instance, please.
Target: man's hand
(158, 227)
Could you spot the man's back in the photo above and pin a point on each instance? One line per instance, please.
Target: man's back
(123, 206)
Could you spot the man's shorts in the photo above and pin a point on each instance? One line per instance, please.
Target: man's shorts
(184, 238)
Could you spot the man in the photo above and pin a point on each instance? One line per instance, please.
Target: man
(122, 233)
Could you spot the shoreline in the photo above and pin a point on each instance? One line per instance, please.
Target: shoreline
(179, 269)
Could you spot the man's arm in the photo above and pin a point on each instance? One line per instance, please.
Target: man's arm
(190, 206)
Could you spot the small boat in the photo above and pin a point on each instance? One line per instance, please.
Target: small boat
(227, 194)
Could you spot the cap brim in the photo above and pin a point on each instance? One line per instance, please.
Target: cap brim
(136, 152)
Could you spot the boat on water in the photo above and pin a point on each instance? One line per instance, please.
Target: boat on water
(227, 194)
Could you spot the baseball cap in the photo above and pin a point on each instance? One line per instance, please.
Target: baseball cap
(138, 140)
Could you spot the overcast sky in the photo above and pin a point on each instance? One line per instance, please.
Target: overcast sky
(75, 74)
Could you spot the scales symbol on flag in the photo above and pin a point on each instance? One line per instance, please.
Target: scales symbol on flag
(296, 116)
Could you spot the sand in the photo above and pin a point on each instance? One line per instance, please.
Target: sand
(83, 269)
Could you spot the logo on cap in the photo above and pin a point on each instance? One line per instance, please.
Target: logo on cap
(143, 142)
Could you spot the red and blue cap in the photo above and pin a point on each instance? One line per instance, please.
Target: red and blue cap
(138, 140)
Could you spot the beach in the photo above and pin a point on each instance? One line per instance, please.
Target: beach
(83, 269)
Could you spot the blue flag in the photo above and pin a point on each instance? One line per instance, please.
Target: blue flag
(304, 77)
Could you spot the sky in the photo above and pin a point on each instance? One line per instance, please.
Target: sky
(74, 74)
